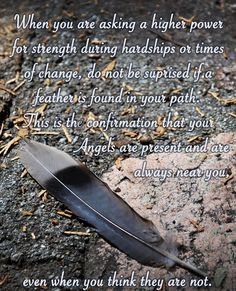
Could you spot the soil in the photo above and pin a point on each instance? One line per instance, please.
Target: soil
(33, 243)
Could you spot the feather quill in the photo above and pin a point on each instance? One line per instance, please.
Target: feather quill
(72, 183)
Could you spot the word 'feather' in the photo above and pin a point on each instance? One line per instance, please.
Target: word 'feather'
(93, 201)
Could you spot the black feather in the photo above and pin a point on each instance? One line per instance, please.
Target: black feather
(93, 201)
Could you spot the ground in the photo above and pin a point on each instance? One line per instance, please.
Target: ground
(33, 242)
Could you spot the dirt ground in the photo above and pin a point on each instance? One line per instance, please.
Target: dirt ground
(33, 242)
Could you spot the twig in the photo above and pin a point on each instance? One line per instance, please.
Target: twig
(8, 90)
(166, 37)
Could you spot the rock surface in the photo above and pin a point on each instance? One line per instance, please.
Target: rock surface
(199, 214)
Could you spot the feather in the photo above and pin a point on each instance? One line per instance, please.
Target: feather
(72, 183)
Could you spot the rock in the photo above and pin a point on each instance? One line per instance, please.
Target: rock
(193, 210)
(219, 277)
